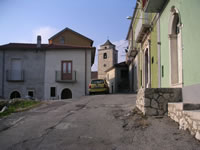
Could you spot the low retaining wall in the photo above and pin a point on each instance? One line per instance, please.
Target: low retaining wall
(185, 121)
(154, 101)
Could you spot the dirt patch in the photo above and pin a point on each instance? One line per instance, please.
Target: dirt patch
(132, 120)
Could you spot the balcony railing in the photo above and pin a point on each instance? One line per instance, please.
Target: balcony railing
(15, 75)
(153, 6)
(142, 28)
(60, 77)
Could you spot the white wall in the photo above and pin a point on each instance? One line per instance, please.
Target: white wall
(53, 63)
(110, 78)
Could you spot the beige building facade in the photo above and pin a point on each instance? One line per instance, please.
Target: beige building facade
(117, 78)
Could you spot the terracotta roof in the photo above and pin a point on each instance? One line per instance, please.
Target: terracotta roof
(107, 43)
(43, 46)
(71, 31)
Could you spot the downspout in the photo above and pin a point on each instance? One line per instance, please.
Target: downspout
(159, 51)
(85, 71)
(149, 65)
(3, 73)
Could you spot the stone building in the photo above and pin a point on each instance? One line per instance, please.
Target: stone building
(107, 57)
(58, 70)
(117, 78)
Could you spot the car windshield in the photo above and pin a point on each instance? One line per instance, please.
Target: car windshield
(97, 82)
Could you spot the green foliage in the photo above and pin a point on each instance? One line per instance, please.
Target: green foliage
(17, 105)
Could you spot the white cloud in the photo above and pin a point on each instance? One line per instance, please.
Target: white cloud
(120, 46)
(45, 32)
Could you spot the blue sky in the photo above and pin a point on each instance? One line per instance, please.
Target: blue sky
(23, 20)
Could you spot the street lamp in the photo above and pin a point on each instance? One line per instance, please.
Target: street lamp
(129, 17)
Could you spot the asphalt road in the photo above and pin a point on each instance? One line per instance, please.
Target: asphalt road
(102, 122)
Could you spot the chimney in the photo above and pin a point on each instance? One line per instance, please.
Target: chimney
(39, 41)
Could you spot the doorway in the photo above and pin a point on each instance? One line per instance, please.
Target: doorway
(66, 94)
(15, 94)
(146, 68)
(66, 69)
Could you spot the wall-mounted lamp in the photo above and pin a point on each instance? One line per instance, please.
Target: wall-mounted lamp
(129, 17)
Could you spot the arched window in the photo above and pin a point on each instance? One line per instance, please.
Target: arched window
(66, 94)
(104, 55)
(175, 47)
(15, 94)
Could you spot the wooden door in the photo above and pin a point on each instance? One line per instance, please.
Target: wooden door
(66, 70)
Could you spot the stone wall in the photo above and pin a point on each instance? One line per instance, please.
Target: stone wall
(187, 120)
(154, 101)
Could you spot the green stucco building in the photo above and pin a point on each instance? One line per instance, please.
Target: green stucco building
(163, 46)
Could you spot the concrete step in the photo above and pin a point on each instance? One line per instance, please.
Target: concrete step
(193, 114)
(177, 106)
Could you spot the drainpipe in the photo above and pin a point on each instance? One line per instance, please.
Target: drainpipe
(3, 73)
(149, 64)
(159, 50)
(85, 71)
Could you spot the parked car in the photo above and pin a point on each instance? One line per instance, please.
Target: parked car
(98, 86)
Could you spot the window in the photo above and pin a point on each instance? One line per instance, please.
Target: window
(69, 68)
(16, 69)
(64, 67)
(66, 70)
(53, 91)
(104, 65)
(162, 71)
(62, 40)
(31, 93)
(100, 81)
(104, 55)
(152, 60)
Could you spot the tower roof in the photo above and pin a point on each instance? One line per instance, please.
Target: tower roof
(107, 43)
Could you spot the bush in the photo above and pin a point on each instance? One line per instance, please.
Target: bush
(16, 106)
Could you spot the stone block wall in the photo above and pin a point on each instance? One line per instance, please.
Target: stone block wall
(154, 101)
(185, 121)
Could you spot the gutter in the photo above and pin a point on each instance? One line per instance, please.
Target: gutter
(159, 51)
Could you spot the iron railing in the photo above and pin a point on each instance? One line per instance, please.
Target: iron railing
(60, 77)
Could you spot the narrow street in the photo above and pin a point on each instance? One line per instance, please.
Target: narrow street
(98, 122)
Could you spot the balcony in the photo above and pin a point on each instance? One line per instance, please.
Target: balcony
(143, 27)
(15, 75)
(62, 78)
(153, 6)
